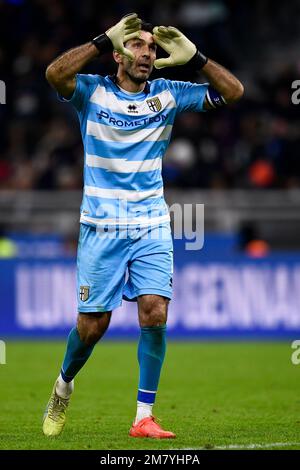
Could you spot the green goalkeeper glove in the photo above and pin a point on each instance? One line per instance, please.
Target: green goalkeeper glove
(180, 49)
(114, 38)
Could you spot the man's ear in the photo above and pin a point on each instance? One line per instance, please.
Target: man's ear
(117, 57)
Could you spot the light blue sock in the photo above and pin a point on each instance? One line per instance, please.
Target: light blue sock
(151, 354)
(77, 354)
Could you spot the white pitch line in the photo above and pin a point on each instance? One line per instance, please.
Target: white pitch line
(246, 446)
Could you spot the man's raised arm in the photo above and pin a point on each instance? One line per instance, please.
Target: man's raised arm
(61, 72)
(223, 81)
(225, 87)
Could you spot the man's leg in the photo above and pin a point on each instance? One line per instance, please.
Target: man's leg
(81, 341)
(152, 311)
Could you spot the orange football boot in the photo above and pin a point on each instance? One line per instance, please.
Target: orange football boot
(148, 427)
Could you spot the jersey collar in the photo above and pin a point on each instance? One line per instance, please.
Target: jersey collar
(113, 78)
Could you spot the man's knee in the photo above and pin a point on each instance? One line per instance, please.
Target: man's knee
(92, 327)
(152, 310)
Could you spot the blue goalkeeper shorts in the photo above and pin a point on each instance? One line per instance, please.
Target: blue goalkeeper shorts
(116, 263)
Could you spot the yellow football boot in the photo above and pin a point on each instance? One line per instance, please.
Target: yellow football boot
(55, 414)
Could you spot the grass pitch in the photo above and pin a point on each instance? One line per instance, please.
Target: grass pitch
(212, 395)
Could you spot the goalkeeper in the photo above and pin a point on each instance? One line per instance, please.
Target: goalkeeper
(126, 123)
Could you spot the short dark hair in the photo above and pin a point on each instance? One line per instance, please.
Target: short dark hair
(146, 26)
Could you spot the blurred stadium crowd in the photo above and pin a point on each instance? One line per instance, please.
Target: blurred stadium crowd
(253, 144)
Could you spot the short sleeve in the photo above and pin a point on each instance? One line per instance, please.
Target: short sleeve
(82, 91)
(188, 96)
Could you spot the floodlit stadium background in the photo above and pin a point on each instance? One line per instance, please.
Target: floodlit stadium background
(242, 163)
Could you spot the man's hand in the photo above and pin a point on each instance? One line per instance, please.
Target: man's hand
(177, 45)
(180, 49)
(127, 28)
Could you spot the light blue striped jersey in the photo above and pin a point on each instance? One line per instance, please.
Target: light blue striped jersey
(125, 135)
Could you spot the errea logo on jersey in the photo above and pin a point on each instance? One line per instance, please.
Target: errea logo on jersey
(131, 108)
(154, 104)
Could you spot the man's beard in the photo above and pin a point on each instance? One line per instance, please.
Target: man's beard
(136, 79)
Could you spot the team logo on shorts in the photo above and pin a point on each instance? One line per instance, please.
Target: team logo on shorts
(84, 293)
(154, 104)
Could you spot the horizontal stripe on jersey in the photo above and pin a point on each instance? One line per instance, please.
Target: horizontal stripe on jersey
(103, 179)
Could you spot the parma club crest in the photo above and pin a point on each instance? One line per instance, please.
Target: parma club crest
(154, 104)
(84, 293)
